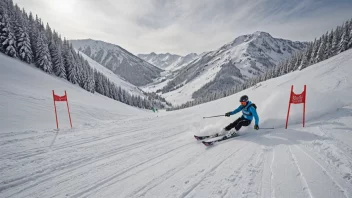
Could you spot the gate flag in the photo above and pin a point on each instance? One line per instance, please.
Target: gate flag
(61, 99)
(297, 99)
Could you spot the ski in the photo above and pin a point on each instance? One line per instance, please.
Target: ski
(205, 137)
(210, 143)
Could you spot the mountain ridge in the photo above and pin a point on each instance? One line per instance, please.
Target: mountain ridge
(244, 57)
(122, 62)
(168, 61)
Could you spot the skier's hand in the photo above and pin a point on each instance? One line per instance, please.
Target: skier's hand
(256, 127)
(228, 114)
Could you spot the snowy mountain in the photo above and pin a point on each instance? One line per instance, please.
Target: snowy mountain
(243, 58)
(128, 66)
(168, 61)
(132, 89)
(115, 150)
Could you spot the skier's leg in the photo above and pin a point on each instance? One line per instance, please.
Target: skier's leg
(228, 129)
(242, 122)
(232, 125)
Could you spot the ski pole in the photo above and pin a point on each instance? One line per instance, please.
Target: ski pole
(213, 116)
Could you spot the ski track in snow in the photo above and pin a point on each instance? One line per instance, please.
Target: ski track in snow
(184, 194)
(115, 176)
(335, 183)
(247, 161)
(304, 182)
(272, 189)
(246, 185)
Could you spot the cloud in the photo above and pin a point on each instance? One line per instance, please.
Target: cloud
(183, 26)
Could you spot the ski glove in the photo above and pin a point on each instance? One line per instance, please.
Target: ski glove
(256, 127)
(228, 114)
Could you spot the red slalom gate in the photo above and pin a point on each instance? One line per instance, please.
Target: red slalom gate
(297, 99)
(61, 99)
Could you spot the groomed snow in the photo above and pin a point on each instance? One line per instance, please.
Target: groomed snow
(120, 151)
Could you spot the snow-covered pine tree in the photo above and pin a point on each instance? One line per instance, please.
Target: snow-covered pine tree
(300, 59)
(78, 67)
(127, 98)
(113, 91)
(287, 66)
(55, 48)
(91, 80)
(314, 54)
(24, 48)
(343, 45)
(86, 74)
(69, 63)
(321, 51)
(106, 86)
(350, 41)
(33, 34)
(327, 53)
(10, 12)
(39, 24)
(48, 32)
(335, 42)
(306, 57)
(7, 36)
(292, 62)
(99, 84)
(43, 59)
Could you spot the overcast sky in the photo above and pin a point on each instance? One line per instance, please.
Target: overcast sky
(186, 26)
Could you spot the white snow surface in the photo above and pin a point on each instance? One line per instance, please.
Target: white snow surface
(118, 151)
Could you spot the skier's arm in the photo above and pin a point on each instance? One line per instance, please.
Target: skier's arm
(236, 110)
(255, 115)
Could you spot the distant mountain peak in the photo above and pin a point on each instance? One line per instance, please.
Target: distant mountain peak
(261, 33)
(168, 61)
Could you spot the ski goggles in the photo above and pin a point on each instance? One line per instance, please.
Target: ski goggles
(243, 103)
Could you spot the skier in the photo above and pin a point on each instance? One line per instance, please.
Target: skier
(248, 112)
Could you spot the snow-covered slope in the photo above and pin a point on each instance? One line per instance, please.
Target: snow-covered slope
(245, 57)
(168, 61)
(155, 155)
(132, 89)
(27, 101)
(121, 62)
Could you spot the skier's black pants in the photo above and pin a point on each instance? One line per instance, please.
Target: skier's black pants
(238, 124)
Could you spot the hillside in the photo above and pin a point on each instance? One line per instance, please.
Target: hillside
(119, 151)
(124, 64)
(27, 101)
(132, 89)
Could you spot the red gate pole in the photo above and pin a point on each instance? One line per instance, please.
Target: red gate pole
(304, 105)
(57, 122)
(289, 106)
(68, 108)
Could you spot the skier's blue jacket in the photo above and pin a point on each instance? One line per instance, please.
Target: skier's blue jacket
(248, 113)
